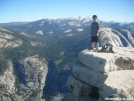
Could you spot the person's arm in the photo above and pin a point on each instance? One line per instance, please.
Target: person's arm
(97, 29)
(91, 30)
(97, 32)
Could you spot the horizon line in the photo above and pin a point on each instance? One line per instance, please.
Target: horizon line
(68, 18)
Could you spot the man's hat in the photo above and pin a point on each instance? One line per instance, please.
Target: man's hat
(94, 16)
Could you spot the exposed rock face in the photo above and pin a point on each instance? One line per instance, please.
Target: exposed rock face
(7, 40)
(123, 58)
(88, 75)
(109, 35)
(57, 97)
(35, 43)
(111, 73)
(7, 85)
(119, 83)
(78, 88)
(32, 73)
(128, 36)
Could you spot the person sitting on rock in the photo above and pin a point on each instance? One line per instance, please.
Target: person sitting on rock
(94, 33)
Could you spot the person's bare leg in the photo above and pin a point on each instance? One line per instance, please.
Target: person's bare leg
(92, 46)
(97, 46)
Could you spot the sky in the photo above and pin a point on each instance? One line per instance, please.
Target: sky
(31, 10)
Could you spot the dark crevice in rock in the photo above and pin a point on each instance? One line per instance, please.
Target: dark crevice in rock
(94, 92)
(21, 75)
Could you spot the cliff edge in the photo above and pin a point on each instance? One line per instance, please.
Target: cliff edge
(103, 75)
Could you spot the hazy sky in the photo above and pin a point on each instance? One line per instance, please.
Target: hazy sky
(30, 10)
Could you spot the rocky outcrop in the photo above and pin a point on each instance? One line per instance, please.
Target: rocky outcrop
(7, 85)
(32, 73)
(119, 84)
(78, 88)
(28, 84)
(7, 40)
(122, 59)
(88, 75)
(106, 71)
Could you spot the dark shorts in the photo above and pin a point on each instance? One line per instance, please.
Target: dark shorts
(94, 39)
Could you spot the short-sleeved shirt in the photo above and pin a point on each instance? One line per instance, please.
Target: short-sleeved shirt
(94, 28)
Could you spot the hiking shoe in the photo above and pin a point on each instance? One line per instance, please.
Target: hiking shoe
(91, 48)
(96, 50)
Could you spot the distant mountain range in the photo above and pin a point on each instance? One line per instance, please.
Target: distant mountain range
(80, 18)
(65, 27)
